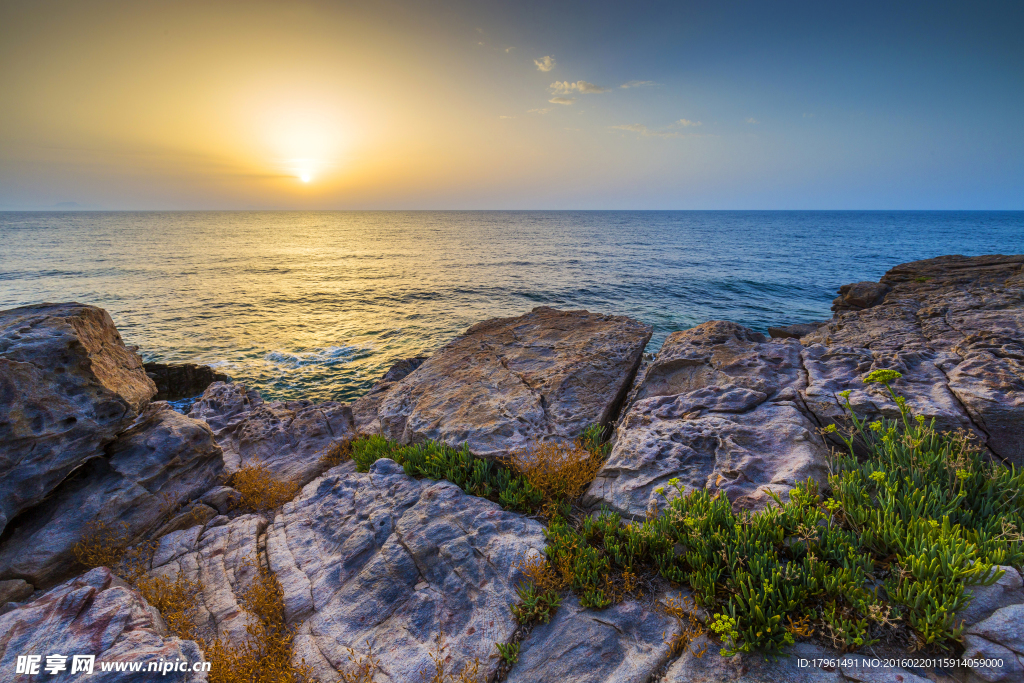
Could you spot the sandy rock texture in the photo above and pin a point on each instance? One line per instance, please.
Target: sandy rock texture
(68, 385)
(394, 561)
(162, 461)
(93, 614)
(285, 436)
(364, 408)
(509, 382)
(719, 408)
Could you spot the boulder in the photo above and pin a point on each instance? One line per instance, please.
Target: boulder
(984, 600)
(95, 614)
(68, 385)
(364, 409)
(793, 331)
(965, 316)
(161, 462)
(15, 590)
(285, 436)
(224, 559)
(222, 498)
(625, 643)
(860, 295)
(394, 562)
(181, 380)
(719, 409)
(510, 382)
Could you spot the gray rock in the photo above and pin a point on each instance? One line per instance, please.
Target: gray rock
(509, 382)
(625, 643)
(702, 662)
(224, 559)
(15, 590)
(94, 614)
(68, 385)
(1007, 590)
(860, 295)
(976, 647)
(793, 331)
(350, 551)
(286, 437)
(1004, 627)
(222, 498)
(181, 380)
(195, 514)
(718, 409)
(364, 409)
(164, 460)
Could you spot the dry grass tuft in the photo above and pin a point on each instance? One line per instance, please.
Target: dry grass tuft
(470, 673)
(361, 668)
(561, 471)
(103, 545)
(337, 452)
(684, 612)
(260, 489)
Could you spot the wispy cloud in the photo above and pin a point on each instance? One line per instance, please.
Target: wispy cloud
(752, 120)
(644, 131)
(562, 100)
(545, 110)
(509, 49)
(506, 117)
(637, 84)
(546, 63)
(583, 87)
(687, 123)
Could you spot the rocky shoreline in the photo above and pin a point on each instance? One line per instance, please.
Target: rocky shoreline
(381, 558)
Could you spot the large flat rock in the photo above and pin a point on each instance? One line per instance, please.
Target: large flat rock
(509, 382)
(94, 614)
(718, 409)
(384, 559)
(285, 436)
(161, 462)
(68, 385)
(965, 315)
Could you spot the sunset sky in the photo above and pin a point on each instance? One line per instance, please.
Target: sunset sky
(390, 105)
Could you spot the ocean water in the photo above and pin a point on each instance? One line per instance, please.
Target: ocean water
(319, 304)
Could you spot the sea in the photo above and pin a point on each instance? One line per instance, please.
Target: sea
(318, 304)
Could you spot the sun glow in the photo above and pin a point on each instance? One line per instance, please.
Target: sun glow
(305, 177)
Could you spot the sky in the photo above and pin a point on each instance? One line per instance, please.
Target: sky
(511, 105)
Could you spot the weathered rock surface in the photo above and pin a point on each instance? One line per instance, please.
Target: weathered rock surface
(860, 295)
(394, 561)
(364, 409)
(285, 436)
(161, 462)
(68, 385)
(509, 382)
(964, 316)
(1007, 590)
(719, 408)
(793, 331)
(625, 643)
(181, 380)
(224, 559)
(94, 614)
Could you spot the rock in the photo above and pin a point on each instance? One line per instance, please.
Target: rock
(793, 331)
(625, 643)
(351, 549)
(509, 382)
(860, 295)
(224, 560)
(164, 460)
(15, 590)
(719, 409)
(175, 381)
(1005, 627)
(194, 514)
(965, 315)
(978, 648)
(221, 498)
(364, 409)
(68, 385)
(94, 614)
(287, 437)
(1007, 590)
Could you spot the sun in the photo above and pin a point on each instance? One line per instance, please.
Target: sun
(305, 177)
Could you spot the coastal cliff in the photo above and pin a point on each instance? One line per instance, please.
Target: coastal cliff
(379, 566)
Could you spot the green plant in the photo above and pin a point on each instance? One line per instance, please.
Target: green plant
(537, 605)
(509, 652)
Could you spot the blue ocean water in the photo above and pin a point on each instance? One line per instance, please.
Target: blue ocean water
(319, 304)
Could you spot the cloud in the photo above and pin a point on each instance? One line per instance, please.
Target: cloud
(545, 63)
(506, 117)
(637, 84)
(545, 110)
(687, 122)
(752, 120)
(562, 100)
(583, 87)
(509, 49)
(646, 132)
